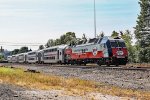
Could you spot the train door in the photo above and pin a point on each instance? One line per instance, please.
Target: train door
(105, 50)
(25, 58)
(58, 54)
(39, 57)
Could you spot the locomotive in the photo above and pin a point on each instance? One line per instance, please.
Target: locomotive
(102, 51)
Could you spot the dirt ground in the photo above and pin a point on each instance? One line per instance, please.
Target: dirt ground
(12, 92)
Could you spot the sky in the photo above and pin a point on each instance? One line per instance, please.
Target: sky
(23, 22)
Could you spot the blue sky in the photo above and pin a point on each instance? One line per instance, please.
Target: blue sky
(36, 21)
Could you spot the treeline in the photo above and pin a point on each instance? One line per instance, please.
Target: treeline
(21, 50)
(142, 32)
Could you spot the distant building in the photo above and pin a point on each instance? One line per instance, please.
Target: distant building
(4, 53)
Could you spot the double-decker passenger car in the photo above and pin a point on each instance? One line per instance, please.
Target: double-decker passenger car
(22, 58)
(32, 57)
(54, 54)
(9, 59)
(14, 59)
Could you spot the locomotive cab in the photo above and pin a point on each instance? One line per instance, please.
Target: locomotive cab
(119, 51)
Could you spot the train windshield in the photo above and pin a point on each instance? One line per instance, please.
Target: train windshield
(118, 44)
(121, 44)
(114, 44)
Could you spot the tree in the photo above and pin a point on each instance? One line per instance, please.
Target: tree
(142, 31)
(84, 38)
(114, 34)
(141, 18)
(68, 38)
(41, 47)
(101, 34)
(58, 42)
(127, 37)
(15, 51)
(50, 43)
(1, 57)
(23, 50)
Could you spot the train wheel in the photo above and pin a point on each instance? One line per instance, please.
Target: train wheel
(99, 64)
(84, 64)
(117, 65)
(108, 64)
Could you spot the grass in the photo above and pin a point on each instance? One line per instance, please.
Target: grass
(72, 85)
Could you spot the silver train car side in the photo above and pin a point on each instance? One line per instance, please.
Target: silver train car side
(9, 59)
(22, 58)
(49, 55)
(14, 59)
(31, 57)
(54, 54)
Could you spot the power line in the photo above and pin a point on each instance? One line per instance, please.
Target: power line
(19, 43)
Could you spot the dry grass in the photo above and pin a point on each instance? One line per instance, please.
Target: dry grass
(72, 85)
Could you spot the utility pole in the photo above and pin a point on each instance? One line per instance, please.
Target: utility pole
(94, 19)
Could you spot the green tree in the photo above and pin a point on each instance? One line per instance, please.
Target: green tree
(142, 31)
(84, 38)
(23, 50)
(1, 57)
(58, 42)
(141, 18)
(114, 34)
(41, 47)
(15, 51)
(50, 43)
(102, 34)
(68, 38)
(127, 37)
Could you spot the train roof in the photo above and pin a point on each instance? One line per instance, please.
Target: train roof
(32, 51)
(100, 40)
(59, 46)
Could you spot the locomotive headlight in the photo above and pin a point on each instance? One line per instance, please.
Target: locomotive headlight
(120, 53)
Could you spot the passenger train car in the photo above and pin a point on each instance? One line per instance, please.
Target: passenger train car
(22, 58)
(31, 57)
(14, 59)
(9, 59)
(54, 54)
(103, 51)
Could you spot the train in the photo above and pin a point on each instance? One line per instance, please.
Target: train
(102, 51)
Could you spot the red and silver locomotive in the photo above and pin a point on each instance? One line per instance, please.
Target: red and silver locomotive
(103, 51)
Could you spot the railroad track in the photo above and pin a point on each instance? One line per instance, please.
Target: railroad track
(84, 67)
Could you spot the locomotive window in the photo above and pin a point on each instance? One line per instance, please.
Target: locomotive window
(114, 44)
(96, 40)
(121, 44)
